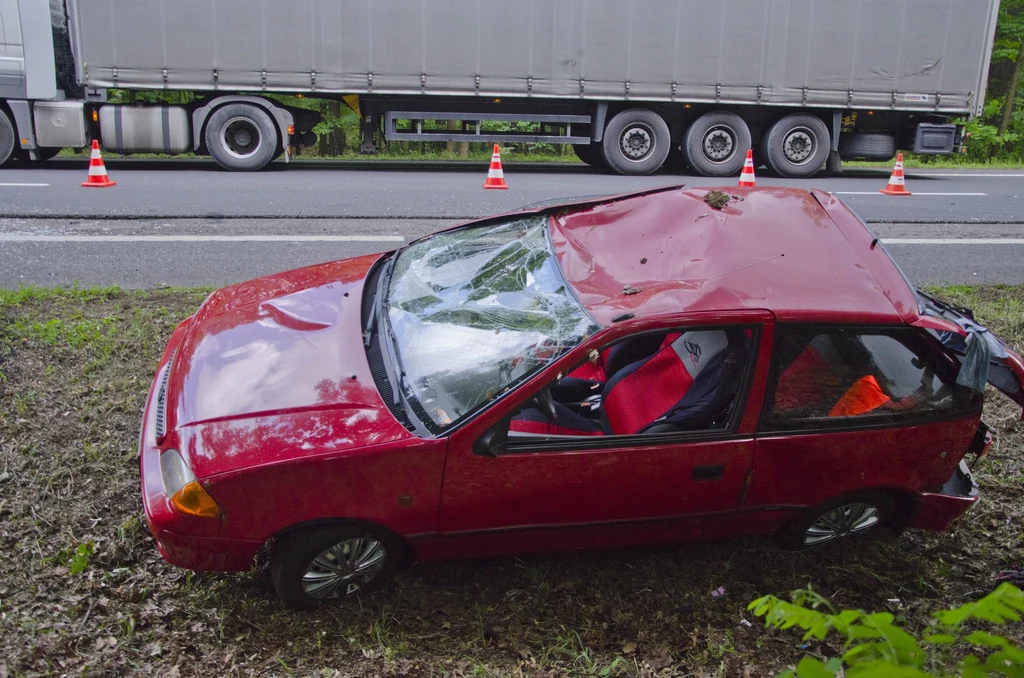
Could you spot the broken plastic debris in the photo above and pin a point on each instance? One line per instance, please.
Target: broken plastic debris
(719, 592)
(744, 622)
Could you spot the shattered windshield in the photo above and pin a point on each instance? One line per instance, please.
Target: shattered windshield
(477, 311)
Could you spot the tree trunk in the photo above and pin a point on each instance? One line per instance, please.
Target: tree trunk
(1011, 94)
(453, 126)
(332, 143)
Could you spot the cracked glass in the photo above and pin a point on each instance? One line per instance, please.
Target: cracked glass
(476, 312)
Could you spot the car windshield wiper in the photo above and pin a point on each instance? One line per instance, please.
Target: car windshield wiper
(378, 301)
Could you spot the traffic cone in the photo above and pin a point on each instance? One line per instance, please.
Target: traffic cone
(97, 170)
(897, 183)
(495, 176)
(747, 175)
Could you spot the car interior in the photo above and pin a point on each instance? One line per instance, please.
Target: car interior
(660, 382)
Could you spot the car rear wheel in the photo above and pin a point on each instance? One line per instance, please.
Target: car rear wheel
(837, 520)
(322, 565)
(716, 144)
(796, 146)
(636, 141)
(6, 137)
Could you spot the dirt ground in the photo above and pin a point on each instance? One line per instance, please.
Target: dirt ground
(83, 590)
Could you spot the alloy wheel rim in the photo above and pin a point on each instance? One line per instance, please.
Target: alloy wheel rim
(798, 146)
(718, 144)
(636, 142)
(241, 137)
(842, 521)
(344, 568)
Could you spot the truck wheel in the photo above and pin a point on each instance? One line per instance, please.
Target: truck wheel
(590, 154)
(867, 146)
(636, 141)
(241, 137)
(44, 154)
(797, 146)
(716, 144)
(6, 138)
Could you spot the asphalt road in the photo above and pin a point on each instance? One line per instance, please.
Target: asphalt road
(189, 224)
(156, 189)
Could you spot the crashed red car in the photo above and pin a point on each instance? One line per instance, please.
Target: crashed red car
(644, 368)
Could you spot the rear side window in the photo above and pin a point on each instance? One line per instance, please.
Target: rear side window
(835, 376)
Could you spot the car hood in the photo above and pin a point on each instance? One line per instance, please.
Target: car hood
(275, 368)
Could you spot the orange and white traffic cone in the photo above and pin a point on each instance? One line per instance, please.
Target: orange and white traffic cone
(97, 170)
(495, 175)
(897, 182)
(747, 175)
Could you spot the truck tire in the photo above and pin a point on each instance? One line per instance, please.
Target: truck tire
(241, 137)
(636, 141)
(796, 146)
(590, 154)
(6, 138)
(44, 154)
(716, 144)
(867, 146)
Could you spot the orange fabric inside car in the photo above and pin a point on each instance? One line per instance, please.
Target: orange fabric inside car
(864, 396)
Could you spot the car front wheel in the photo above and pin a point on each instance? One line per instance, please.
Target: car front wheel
(322, 565)
(838, 520)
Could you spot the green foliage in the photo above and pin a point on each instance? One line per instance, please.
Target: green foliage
(80, 559)
(875, 646)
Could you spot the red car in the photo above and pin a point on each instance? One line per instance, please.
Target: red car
(646, 368)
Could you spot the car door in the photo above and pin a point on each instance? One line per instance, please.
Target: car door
(854, 408)
(546, 492)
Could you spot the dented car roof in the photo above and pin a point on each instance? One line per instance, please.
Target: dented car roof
(803, 255)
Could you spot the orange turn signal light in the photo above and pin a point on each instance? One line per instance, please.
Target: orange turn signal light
(193, 500)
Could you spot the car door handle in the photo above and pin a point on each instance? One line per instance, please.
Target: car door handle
(712, 472)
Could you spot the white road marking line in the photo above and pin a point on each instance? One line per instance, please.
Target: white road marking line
(23, 185)
(913, 193)
(18, 237)
(957, 174)
(953, 241)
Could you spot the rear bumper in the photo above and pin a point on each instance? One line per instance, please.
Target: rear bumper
(938, 510)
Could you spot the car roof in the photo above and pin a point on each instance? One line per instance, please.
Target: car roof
(801, 254)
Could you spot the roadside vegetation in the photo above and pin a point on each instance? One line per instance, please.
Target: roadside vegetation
(83, 590)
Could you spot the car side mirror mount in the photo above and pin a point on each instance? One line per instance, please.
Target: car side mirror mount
(494, 441)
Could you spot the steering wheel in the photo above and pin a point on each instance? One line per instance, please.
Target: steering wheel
(545, 403)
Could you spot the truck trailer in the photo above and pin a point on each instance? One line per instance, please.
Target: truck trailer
(633, 85)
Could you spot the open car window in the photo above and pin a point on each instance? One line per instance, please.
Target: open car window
(833, 377)
(477, 311)
(683, 381)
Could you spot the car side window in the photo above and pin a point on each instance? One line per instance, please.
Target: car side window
(665, 382)
(839, 375)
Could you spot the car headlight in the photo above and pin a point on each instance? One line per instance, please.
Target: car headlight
(187, 495)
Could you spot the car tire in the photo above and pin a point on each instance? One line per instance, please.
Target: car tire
(7, 138)
(716, 144)
(797, 146)
(241, 137)
(636, 142)
(317, 566)
(867, 146)
(589, 154)
(838, 519)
